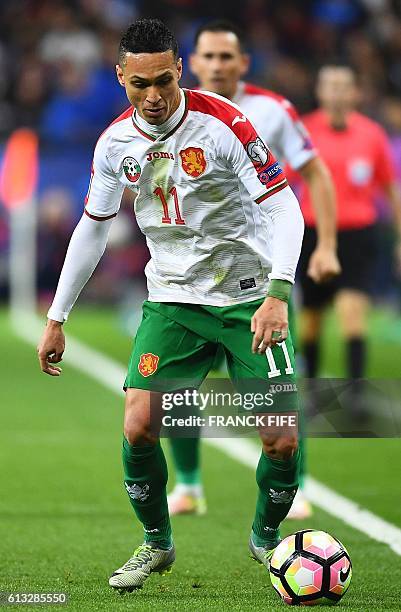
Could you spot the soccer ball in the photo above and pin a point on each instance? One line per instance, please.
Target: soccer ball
(310, 567)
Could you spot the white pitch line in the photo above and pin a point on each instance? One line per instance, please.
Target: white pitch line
(111, 374)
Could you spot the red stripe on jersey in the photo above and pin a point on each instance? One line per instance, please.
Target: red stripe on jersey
(225, 112)
(99, 218)
(124, 115)
(257, 151)
(253, 90)
(274, 189)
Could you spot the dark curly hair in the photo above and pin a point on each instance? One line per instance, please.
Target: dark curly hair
(147, 36)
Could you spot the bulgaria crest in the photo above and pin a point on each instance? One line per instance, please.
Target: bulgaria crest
(193, 161)
(148, 363)
(132, 169)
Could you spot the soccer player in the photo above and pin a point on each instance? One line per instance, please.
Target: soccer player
(357, 151)
(205, 182)
(219, 62)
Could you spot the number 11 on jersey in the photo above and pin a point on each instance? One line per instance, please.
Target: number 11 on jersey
(166, 216)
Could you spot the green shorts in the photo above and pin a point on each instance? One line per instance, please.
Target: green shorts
(175, 347)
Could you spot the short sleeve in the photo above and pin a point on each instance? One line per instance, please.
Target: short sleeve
(293, 139)
(105, 190)
(384, 162)
(253, 162)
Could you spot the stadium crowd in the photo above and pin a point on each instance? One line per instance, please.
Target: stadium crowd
(57, 76)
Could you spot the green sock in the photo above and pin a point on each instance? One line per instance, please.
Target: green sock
(145, 477)
(186, 460)
(278, 482)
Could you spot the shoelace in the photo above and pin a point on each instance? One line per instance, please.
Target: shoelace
(141, 555)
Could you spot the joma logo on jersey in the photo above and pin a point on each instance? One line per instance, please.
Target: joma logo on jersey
(193, 161)
(132, 169)
(148, 363)
(159, 155)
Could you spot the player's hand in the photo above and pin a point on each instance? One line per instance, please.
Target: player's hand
(269, 324)
(51, 348)
(323, 265)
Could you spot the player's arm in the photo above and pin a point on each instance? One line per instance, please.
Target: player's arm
(296, 148)
(265, 181)
(270, 322)
(323, 263)
(86, 247)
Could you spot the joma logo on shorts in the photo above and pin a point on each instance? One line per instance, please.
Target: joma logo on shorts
(159, 155)
(283, 388)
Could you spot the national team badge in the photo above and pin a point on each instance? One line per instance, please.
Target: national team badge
(193, 161)
(132, 169)
(148, 363)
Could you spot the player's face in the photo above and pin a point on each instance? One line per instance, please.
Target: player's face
(151, 83)
(336, 90)
(218, 62)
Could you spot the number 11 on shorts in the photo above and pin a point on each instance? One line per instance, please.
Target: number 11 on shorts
(273, 369)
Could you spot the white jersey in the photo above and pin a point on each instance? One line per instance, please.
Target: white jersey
(277, 122)
(199, 186)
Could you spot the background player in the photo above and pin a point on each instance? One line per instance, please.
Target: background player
(175, 149)
(357, 152)
(219, 62)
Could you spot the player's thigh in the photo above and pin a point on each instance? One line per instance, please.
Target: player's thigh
(272, 372)
(167, 356)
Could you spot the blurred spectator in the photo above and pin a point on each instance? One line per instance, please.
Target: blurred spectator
(55, 224)
(67, 41)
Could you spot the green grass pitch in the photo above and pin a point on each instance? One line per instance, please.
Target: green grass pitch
(66, 523)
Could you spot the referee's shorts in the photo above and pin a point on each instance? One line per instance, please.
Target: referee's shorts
(357, 252)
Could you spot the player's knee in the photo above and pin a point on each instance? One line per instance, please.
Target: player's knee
(140, 436)
(138, 427)
(280, 447)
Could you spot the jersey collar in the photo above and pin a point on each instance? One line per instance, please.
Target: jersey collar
(166, 129)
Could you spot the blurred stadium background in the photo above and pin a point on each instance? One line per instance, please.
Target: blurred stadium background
(63, 513)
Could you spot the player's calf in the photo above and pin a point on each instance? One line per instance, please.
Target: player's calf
(277, 477)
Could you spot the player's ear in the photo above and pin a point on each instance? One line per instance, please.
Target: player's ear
(179, 67)
(120, 75)
(245, 63)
